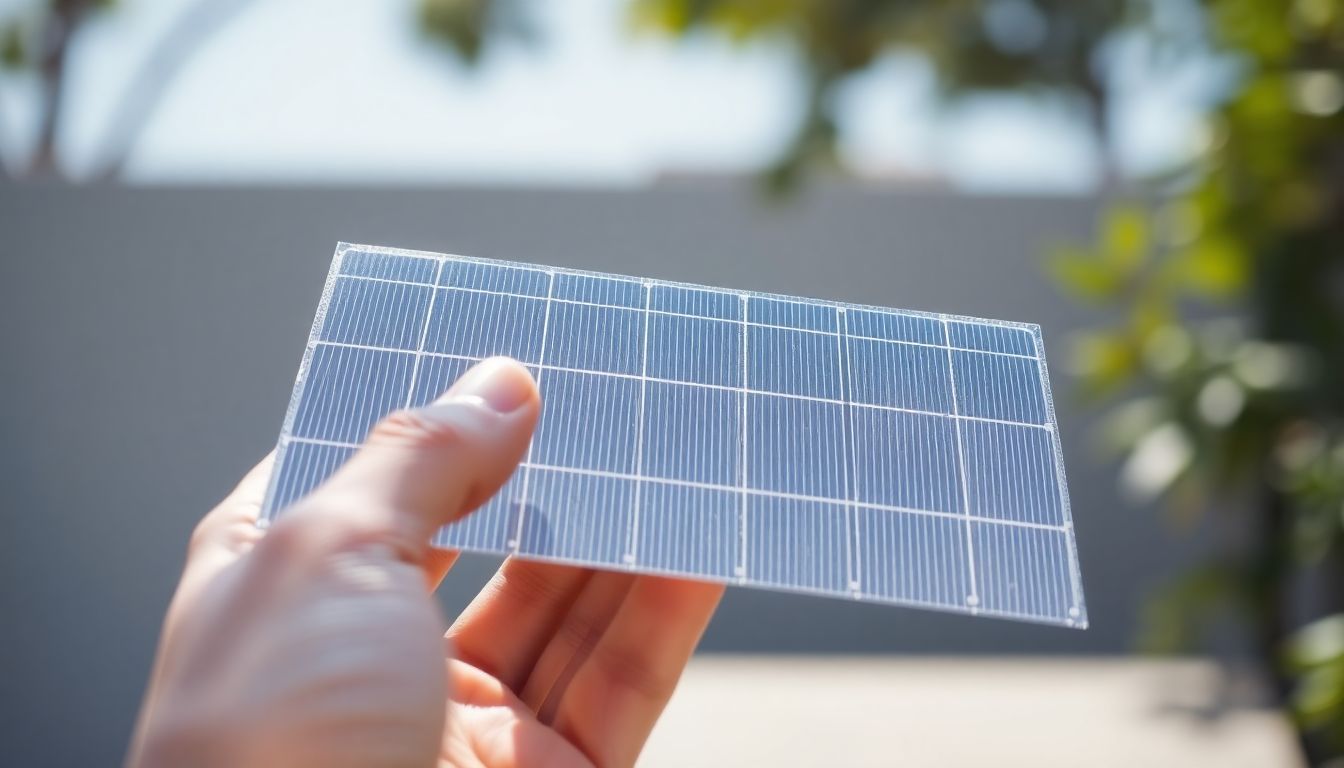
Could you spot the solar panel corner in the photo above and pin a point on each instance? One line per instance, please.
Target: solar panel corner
(671, 439)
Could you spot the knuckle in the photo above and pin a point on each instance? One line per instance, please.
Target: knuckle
(530, 586)
(412, 428)
(200, 536)
(286, 538)
(580, 634)
(630, 672)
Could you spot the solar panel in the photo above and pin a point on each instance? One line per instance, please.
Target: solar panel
(768, 441)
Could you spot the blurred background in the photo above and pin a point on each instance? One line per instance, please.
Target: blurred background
(1158, 183)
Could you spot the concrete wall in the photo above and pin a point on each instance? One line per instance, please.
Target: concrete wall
(150, 337)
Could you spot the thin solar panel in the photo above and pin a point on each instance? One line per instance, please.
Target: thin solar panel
(768, 441)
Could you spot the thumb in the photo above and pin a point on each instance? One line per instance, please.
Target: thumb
(420, 469)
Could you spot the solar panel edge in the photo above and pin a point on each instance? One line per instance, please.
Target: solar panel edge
(955, 609)
(1027, 327)
(268, 509)
(1066, 508)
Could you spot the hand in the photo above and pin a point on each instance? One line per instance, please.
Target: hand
(320, 643)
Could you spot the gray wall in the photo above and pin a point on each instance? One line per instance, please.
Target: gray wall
(150, 338)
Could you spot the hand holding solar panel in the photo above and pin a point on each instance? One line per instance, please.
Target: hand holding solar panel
(744, 438)
(319, 643)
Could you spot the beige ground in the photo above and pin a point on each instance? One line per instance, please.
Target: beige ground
(748, 711)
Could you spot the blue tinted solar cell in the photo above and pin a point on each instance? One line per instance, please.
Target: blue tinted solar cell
(349, 389)
(490, 528)
(795, 446)
(895, 327)
(1011, 473)
(775, 528)
(689, 530)
(695, 350)
(792, 314)
(480, 325)
(1023, 571)
(999, 387)
(691, 433)
(991, 338)
(906, 460)
(793, 362)
(591, 338)
(899, 375)
(599, 290)
(588, 421)
(376, 314)
(700, 303)
(388, 266)
(307, 466)
(577, 517)
(434, 375)
(919, 558)
(496, 278)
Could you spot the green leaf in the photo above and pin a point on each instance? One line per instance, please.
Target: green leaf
(1085, 276)
(1318, 643)
(13, 48)
(669, 16)
(1213, 267)
(1104, 360)
(1125, 238)
(1319, 698)
(459, 24)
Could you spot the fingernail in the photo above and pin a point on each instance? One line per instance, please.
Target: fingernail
(498, 383)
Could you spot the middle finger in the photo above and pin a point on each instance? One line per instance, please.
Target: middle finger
(506, 628)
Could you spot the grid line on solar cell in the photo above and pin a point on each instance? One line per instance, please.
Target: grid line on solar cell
(632, 548)
(636, 377)
(670, 313)
(973, 598)
(846, 384)
(744, 396)
(420, 344)
(631, 476)
(633, 464)
(516, 543)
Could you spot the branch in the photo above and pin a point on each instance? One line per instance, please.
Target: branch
(142, 97)
(6, 175)
(62, 22)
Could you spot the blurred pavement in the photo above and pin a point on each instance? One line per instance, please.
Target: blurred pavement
(951, 712)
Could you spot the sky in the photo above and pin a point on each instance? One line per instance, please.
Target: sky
(314, 91)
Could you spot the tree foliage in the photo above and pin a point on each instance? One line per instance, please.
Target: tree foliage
(468, 28)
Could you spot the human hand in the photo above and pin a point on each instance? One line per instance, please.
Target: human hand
(320, 643)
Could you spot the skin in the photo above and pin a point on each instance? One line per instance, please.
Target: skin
(319, 643)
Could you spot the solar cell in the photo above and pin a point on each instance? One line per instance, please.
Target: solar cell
(769, 441)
